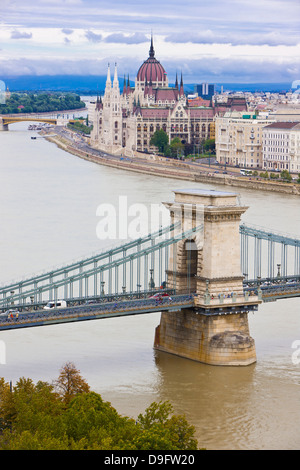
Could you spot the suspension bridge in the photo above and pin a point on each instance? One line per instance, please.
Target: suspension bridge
(57, 118)
(184, 267)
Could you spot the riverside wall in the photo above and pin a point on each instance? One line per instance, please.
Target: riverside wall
(168, 168)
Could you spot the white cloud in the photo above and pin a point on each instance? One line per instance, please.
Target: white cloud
(136, 38)
(233, 38)
(93, 37)
(20, 35)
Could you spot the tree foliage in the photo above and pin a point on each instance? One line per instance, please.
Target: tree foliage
(40, 103)
(176, 147)
(66, 415)
(160, 140)
(70, 382)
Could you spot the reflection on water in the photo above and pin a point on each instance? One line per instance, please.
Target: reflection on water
(48, 202)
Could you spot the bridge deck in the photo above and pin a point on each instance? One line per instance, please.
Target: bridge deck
(94, 312)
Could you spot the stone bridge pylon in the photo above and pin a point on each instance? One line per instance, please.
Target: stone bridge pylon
(216, 330)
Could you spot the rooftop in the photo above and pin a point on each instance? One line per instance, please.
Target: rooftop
(283, 125)
(204, 192)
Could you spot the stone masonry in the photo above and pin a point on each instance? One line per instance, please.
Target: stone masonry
(207, 265)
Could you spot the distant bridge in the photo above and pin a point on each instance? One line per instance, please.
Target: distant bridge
(49, 118)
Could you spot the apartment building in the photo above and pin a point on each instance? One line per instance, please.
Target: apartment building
(239, 139)
(281, 146)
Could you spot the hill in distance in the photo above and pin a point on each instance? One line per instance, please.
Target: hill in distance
(96, 84)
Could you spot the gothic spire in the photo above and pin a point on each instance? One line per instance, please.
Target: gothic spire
(108, 80)
(151, 51)
(181, 91)
(116, 81)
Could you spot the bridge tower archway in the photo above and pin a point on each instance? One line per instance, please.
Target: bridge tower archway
(216, 330)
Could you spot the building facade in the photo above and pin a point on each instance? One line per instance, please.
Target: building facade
(281, 146)
(125, 121)
(239, 138)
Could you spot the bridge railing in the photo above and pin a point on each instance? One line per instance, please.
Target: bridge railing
(110, 309)
(266, 254)
(136, 265)
(143, 264)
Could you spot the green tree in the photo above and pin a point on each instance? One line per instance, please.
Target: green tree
(209, 145)
(162, 432)
(41, 102)
(285, 175)
(37, 417)
(176, 147)
(160, 140)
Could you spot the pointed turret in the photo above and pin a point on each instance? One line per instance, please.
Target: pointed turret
(146, 88)
(181, 91)
(176, 82)
(99, 104)
(151, 51)
(124, 86)
(150, 88)
(116, 80)
(128, 85)
(108, 79)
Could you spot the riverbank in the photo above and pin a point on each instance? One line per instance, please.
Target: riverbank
(170, 168)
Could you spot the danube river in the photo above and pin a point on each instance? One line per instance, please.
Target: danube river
(49, 200)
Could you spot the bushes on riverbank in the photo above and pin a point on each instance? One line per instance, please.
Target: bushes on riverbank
(66, 415)
(40, 103)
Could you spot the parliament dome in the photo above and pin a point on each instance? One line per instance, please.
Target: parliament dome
(151, 71)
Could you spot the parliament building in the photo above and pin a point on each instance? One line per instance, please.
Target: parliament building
(125, 120)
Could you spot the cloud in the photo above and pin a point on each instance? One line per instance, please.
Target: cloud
(93, 37)
(208, 69)
(136, 38)
(20, 35)
(67, 31)
(215, 40)
(208, 36)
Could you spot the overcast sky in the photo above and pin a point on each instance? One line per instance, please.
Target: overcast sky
(207, 40)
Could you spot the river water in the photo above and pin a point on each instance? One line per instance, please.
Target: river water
(48, 204)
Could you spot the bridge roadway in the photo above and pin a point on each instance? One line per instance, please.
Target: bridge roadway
(110, 308)
(95, 311)
(273, 289)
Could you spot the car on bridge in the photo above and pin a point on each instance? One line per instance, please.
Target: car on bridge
(160, 296)
(57, 304)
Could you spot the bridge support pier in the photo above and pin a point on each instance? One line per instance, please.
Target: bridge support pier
(216, 330)
(222, 340)
(3, 127)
